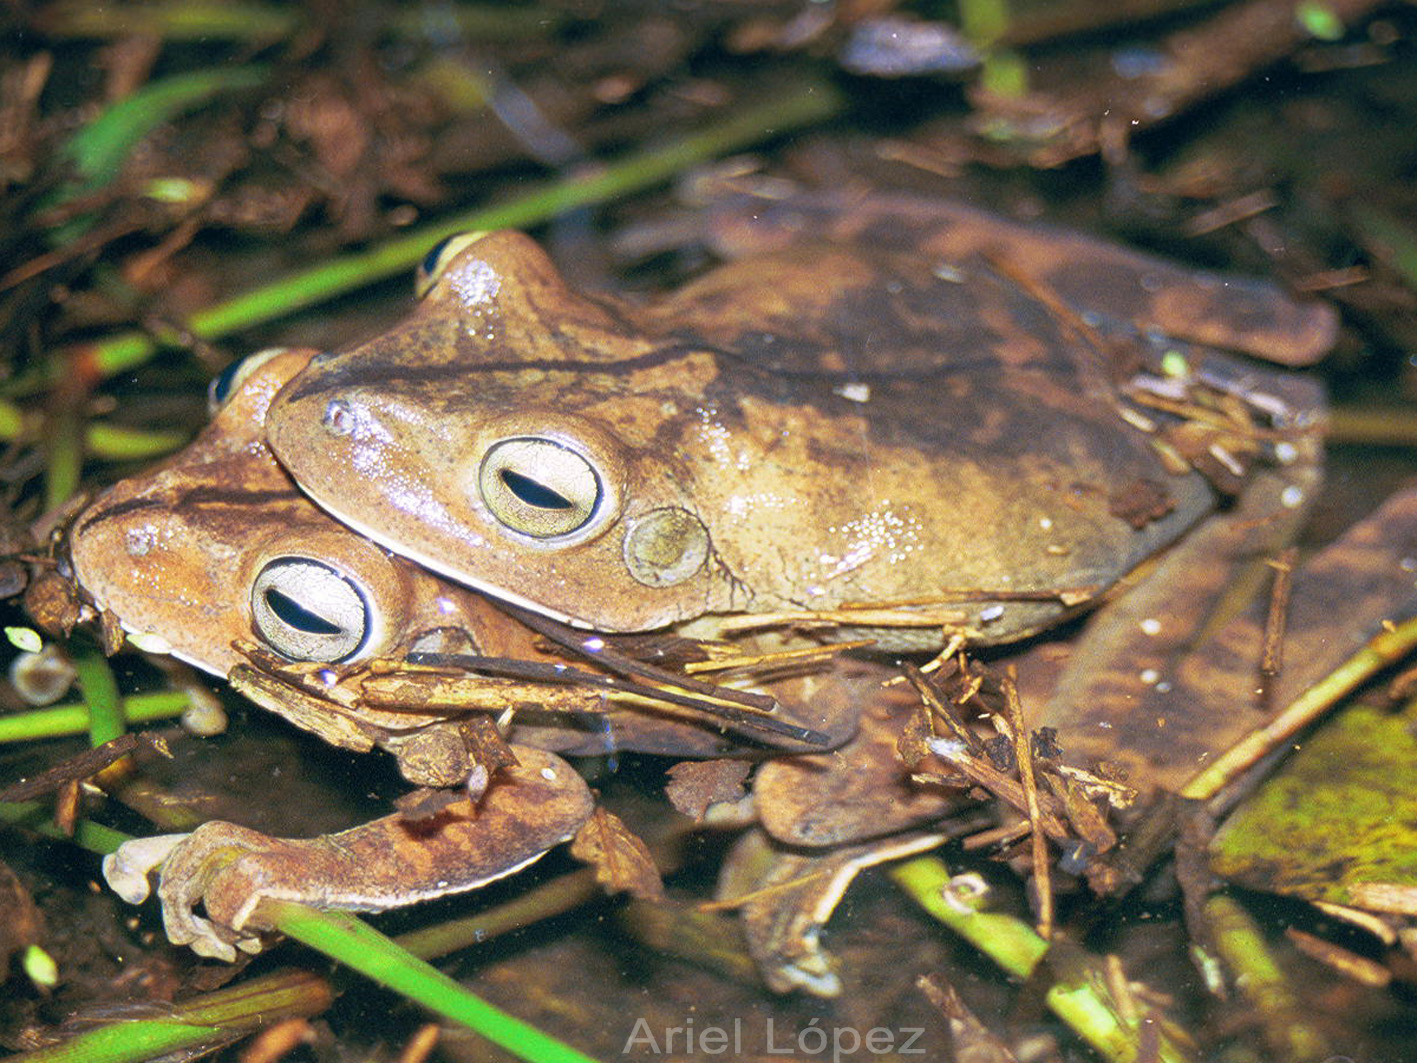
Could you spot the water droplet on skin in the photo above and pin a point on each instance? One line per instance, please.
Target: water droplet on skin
(855, 392)
(140, 541)
(476, 283)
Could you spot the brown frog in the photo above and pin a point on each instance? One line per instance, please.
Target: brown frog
(952, 420)
(216, 548)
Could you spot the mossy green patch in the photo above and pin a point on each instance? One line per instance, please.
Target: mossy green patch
(1341, 812)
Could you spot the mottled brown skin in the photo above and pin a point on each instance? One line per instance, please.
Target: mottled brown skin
(886, 415)
(1113, 285)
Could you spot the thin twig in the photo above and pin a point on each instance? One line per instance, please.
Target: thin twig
(1023, 752)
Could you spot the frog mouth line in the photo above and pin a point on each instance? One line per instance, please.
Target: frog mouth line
(418, 557)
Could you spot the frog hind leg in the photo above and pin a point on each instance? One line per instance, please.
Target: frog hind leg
(388, 863)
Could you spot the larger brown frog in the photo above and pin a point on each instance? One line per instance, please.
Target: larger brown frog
(951, 419)
(1233, 428)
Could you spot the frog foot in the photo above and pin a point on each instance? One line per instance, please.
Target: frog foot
(202, 867)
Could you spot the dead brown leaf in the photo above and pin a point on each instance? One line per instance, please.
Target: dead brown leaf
(621, 860)
(696, 784)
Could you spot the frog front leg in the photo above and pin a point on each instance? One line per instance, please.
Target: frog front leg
(388, 863)
(786, 895)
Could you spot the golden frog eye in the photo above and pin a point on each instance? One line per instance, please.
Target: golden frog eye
(228, 382)
(442, 253)
(539, 487)
(305, 610)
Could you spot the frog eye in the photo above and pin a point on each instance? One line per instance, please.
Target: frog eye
(307, 611)
(539, 487)
(229, 380)
(436, 261)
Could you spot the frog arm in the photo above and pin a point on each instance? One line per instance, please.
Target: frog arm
(388, 863)
(785, 897)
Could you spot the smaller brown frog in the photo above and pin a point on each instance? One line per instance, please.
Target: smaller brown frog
(215, 547)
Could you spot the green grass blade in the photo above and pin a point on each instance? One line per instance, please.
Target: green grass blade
(212, 1018)
(341, 936)
(124, 1042)
(99, 149)
(64, 456)
(114, 442)
(100, 693)
(59, 721)
(1014, 946)
(38, 816)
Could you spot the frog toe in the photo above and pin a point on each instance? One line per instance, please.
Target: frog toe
(215, 937)
(208, 868)
(127, 868)
(185, 927)
(787, 895)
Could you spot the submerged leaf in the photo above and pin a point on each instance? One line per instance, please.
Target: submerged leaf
(1339, 819)
(621, 860)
